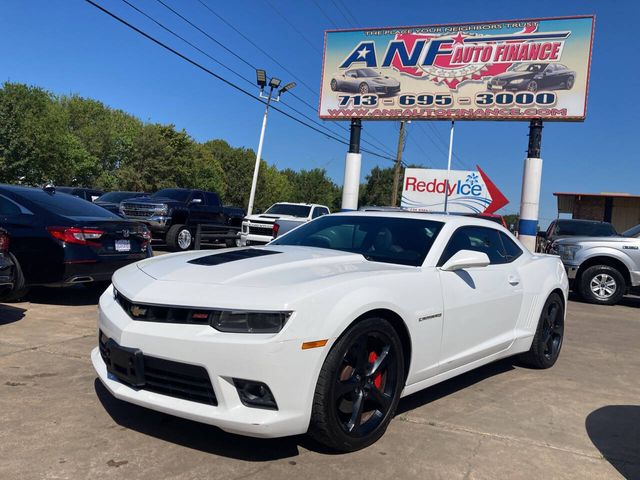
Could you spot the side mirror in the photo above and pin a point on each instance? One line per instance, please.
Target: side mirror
(466, 259)
(196, 201)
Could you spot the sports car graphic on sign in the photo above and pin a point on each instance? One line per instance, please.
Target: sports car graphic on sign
(534, 77)
(325, 328)
(364, 80)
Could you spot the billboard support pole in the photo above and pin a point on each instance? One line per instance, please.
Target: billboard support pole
(396, 170)
(531, 180)
(446, 184)
(351, 185)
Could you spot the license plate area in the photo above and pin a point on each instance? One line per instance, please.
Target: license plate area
(126, 364)
(123, 245)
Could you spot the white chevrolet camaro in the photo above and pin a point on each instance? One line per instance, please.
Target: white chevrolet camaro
(324, 329)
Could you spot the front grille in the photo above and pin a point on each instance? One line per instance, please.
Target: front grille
(261, 231)
(163, 314)
(140, 210)
(174, 379)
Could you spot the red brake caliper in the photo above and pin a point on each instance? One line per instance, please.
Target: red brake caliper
(377, 380)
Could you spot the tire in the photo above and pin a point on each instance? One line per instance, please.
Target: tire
(19, 289)
(602, 284)
(569, 83)
(547, 342)
(532, 86)
(363, 88)
(334, 85)
(231, 242)
(179, 238)
(350, 382)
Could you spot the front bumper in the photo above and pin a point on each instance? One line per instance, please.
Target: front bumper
(158, 224)
(572, 271)
(281, 364)
(247, 239)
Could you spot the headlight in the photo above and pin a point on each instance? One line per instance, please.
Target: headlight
(161, 210)
(568, 252)
(249, 322)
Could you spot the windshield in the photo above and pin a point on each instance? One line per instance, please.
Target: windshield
(405, 241)
(117, 197)
(532, 67)
(585, 229)
(368, 72)
(173, 193)
(66, 205)
(632, 232)
(286, 209)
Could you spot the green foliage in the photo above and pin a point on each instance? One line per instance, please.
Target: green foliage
(70, 140)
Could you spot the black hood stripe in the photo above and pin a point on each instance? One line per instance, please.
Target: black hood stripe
(235, 255)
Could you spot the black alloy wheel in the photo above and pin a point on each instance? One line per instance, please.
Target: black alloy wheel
(547, 341)
(532, 86)
(359, 387)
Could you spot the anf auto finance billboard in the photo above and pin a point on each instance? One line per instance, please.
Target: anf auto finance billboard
(511, 70)
(467, 191)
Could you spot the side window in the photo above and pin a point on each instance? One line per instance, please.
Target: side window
(318, 212)
(212, 199)
(8, 208)
(480, 239)
(198, 195)
(511, 249)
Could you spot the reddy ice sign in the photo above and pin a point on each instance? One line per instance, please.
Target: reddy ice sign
(511, 70)
(467, 192)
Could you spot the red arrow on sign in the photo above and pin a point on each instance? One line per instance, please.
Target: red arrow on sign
(498, 200)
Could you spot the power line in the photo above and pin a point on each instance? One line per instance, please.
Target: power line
(237, 56)
(219, 77)
(324, 13)
(339, 10)
(346, 9)
(293, 27)
(384, 148)
(217, 61)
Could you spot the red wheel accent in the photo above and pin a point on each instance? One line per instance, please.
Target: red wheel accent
(377, 380)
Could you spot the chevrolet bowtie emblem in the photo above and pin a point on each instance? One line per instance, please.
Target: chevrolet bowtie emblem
(137, 311)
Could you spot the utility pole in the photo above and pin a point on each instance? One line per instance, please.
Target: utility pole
(396, 172)
(531, 180)
(351, 185)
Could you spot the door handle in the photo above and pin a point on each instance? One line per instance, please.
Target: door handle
(513, 280)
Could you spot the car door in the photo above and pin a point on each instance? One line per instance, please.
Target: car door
(351, 80)
(197, 209)
(481, 304)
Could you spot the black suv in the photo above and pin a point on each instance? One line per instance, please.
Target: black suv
(88, 194)
(58, 239)
(173, 215)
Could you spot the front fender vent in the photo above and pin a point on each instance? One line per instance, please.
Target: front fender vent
(231, 256)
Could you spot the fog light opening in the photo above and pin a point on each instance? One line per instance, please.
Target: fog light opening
(255, 394)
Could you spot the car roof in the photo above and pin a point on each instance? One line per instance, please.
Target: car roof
(579, 220)
(456, 220)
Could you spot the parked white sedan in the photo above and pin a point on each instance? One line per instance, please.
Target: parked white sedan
(327, 327)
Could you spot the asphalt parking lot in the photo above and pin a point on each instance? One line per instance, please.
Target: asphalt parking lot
(581, 419)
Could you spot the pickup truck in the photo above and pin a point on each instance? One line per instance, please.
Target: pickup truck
(570, 227)
(601, 269)
(258, 229)
(174, 214)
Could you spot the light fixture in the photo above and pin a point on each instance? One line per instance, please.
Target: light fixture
(274, 82)
(287, 87)
(261, 78)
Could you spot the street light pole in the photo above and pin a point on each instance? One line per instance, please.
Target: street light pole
(254, 182)
(274, 83)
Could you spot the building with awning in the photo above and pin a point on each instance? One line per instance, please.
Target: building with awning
(620, 209)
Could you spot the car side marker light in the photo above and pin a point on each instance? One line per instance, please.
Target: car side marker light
(315, 344)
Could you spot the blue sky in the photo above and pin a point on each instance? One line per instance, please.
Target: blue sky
(68, 46)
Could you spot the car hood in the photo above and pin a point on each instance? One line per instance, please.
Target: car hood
(391, 82)
(264, 267)
(514, 75)
(150, 200)
(268, 218)
(571, 240)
